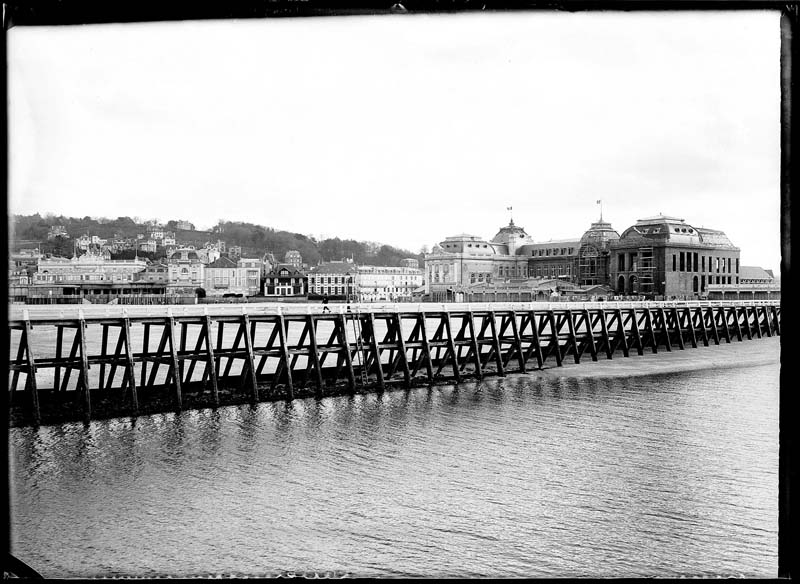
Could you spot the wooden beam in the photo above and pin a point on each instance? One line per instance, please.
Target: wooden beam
(517, 341)
(313, 353)
(176, 378)
(31, 381)
(84, 378)
(249, 337)
(495, 343)
(348, 355)
(130, 369)
(211, 360)
(373, 341)
(590, 335)
(402, 348)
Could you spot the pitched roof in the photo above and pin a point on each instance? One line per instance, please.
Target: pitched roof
(222, 262)
(754, 273)
(334, 268)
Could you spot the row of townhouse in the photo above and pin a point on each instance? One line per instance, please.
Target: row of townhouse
(344, 280)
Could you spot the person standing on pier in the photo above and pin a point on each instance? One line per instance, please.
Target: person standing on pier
(325, 304)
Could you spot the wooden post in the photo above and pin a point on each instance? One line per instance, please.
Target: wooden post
(517, 341)
(220, 339)
(145, 351)
(620, 334)
(130, 370)
(402, 347)
(348, 355)
(776, 321)
(426, 347)
(723, 317)
(176, 377)
(211, 361)
(103, 344)
(590, 335)
(698, 313)
(285, 351)
(738, 324)
(474, 344)
(32, 385)
(181, 365)
(767, 321)
(678, 328)
(604, 332)
(651, 328)
(554, 342)
(495, 342)
(637, 334)
(536, 344)
(59, 342)
(373, 341)
(690, 321)
(665, 325)
(573, 339)
(757, 319)
(249, 336)
(312, 351)
(87, 394)
(713, 322)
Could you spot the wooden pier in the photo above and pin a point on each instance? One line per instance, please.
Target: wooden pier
(139, 361)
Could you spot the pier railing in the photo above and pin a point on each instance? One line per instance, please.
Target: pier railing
(126, 360)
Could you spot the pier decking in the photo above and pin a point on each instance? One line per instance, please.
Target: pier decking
(74, 357)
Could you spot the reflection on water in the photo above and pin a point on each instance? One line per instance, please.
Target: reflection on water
(648, 476)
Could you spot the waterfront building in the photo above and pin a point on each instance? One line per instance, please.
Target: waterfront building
(90, 267)
(227, 276)
(665, 256)
(754, 283)
(285, 280)
(335, 279)
(386, 283)
(186, 271)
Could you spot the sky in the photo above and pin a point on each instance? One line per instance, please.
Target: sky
(404, 129)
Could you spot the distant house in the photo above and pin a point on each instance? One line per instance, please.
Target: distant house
(337, 280)
(184, 225)
(285, 280)
(226, 276)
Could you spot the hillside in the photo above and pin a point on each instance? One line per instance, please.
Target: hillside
(255, 240)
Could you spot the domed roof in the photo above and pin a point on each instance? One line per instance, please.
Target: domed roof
(673, 229)
(512, 234)
(599, 234)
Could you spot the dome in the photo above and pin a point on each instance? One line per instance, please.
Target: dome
(664, 228)
(512, 234)
(599, 235)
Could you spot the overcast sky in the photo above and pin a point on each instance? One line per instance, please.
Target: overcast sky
(405, 129)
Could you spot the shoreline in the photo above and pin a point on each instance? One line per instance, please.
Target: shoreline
(748, 353)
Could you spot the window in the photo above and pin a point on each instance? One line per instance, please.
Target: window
(694, 262)
(683, 262)
(729, 269)
(621, 262)
(674, 262)
(704, 264)
(737, 269)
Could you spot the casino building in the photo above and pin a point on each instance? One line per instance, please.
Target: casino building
(658, 256)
